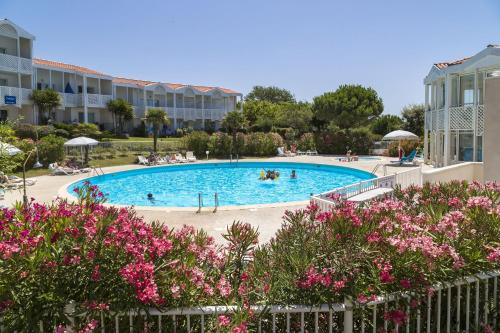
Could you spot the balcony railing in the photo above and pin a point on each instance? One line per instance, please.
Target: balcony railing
(464, 118)
(13, 64)
(22, 95)
(71, 100)
(98, 100)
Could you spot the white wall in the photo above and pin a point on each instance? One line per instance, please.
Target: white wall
(469, 171)
(491, 148)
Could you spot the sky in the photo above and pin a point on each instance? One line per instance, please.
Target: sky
(307, 47)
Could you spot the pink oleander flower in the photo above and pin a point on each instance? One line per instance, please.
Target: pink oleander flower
(242, 328)
(398, 317)
(479, 202)
(224, 320)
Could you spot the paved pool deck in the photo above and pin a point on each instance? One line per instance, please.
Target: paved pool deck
(266, 218)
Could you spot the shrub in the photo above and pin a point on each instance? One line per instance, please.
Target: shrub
(7, 133)
(28, 131)
(88, 130)
(104, 259)
(421, 237)
(338, 141)
(262, 144)
(197, 141)
(51, 149)
(219, 145)
(61, 132)
(306, 142)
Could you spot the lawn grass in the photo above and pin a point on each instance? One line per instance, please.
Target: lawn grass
(122, 160)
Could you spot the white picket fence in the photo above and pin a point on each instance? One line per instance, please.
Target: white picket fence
(466, 305)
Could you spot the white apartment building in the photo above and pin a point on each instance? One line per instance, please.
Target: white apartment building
(84, 92)
(454, 117)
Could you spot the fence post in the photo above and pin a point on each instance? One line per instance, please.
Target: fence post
(348, 316)
(69, 311)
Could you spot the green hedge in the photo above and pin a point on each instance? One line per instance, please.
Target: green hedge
(221, 144)
(358, 140)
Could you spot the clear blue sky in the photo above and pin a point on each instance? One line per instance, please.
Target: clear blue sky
(308, 47)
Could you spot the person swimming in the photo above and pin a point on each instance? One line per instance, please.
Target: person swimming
(262, 175)
(150, 197)
(293, 175)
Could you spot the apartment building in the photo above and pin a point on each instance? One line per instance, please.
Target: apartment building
(454, 99)
(84, 92)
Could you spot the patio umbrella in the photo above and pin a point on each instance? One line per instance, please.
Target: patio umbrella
(8, 149)
(399, 135)
(84, 143)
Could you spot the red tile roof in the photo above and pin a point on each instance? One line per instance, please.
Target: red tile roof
(122, 80)
(443, 65)
(143, 83)
(131, 81)
(62, 65)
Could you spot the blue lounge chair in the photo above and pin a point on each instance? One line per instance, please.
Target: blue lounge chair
(407, 159)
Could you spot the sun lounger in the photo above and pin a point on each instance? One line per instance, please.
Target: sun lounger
(142, 160)
(312, 152)
(180, 158)
(19, 180)
(190, 156)
(406, 159)
(56, 170)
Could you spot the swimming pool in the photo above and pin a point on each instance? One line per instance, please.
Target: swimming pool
(235, 183)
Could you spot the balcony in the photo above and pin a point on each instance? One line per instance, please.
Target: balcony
(96, 100)
(12, 63)
(71, 100)
(22, 95)
(461, 118)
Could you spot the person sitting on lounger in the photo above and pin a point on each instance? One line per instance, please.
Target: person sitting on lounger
(348, 155)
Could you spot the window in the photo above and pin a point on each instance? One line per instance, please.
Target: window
(81, 117)
(80, 89)
(3, 82)
(467, 89)
(465, 144)
(3, 115)
(3, 50)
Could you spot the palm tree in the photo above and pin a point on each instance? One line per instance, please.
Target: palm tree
(45, 100)
(233, 122)
(156, 118)
(122, 111)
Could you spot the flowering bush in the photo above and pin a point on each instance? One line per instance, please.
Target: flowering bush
(420, 237)
(102, 260)
(106, 259)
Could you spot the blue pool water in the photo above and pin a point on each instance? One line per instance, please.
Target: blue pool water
(236, 183)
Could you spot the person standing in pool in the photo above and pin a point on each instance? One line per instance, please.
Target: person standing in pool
(293, 175)
(151, 197)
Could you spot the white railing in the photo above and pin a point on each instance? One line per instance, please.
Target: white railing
(98, 100)
(26, 96)
(327, 200)
(26, 66)
(409, 177)
(12, 63)
(465, 305)
(71, 100)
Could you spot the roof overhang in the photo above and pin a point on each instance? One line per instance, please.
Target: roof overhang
(20, 32)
